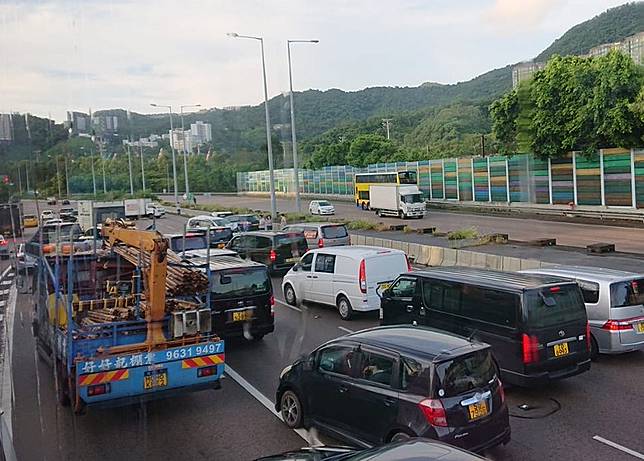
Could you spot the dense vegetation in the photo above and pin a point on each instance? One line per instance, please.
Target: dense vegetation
(574, 103)
(610, 26)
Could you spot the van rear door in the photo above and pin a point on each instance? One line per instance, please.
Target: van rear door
(627, 310)
(555, 334)
(382, 268)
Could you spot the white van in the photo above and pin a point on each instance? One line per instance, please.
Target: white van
(346, 277)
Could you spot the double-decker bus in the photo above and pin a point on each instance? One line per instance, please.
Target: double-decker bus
(362, 182)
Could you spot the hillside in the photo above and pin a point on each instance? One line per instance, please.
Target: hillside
(610, 26)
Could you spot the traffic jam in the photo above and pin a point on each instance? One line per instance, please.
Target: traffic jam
(127, 313)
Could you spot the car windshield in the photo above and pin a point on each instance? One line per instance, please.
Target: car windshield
(240, 282)
(412, 198)
(62, 233)
(554, 305)
(323, 203)
(334, 232)
(628, 293)
(29, 216)
(463, 374)
(193, 242)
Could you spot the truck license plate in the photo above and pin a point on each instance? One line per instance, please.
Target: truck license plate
(155, 378)
(242, 316)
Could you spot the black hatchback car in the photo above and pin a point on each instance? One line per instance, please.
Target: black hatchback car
(278, 250)
(391, 383)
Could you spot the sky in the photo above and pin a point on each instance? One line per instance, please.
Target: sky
(80, 54)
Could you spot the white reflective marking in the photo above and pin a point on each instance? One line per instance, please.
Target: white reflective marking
(346, 330)
(282, 303)
(619, 447)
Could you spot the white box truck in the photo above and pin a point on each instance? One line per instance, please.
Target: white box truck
(91, 213)
(404, 201)
(136, 207)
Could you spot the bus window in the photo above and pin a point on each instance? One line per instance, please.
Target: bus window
(407, 177)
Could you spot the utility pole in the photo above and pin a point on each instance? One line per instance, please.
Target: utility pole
(104, 183)
(129, 164)
(93, 174)
(185, 154)
(27, 174)
(67, 176)
(142, 168)
(385, 123)
(482, 145)
(19, 180)
(60, 193)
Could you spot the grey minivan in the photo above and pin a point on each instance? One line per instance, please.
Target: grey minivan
(322, 234)
(614, 303)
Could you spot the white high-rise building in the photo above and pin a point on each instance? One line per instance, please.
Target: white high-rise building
(201, 132)
(6, 133)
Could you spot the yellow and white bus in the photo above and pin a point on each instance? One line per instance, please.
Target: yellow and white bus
(362, 182)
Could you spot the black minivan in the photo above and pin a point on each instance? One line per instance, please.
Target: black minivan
(279, 250)
(388, 384)
(536, 325)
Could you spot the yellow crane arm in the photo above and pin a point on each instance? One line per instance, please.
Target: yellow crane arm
(153, 243)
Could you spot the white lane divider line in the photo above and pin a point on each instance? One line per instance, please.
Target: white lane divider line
(346, 330)
(261, 398)
(619, 447)
(282, 303)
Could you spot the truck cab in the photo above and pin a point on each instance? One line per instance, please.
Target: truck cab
(404, 201)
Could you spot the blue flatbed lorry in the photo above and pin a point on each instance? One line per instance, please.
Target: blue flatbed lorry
(98, 321)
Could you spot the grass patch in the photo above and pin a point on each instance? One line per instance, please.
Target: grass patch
(463, 234)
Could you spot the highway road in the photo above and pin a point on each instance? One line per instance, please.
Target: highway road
(577, 418)
(627, 239)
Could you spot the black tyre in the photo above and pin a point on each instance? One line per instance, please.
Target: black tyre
(62, 392)
(363, 206)
(289, 295)
(594, 348)
(344, 308)
(378, 213)
(291, 410)
(399, 437)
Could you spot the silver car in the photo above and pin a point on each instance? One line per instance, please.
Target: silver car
(614, 303)
(322, 234)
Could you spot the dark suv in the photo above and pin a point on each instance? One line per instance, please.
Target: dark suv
(278, 250)
(391, 383)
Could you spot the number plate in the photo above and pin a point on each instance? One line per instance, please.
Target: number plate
(384, 286)
(292, 260)
(477, 410)
(155, 378)
(639, 327)
(242, 316)
(561, 349)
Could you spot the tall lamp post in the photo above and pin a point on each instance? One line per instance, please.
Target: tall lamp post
(183, 137)
(296, 173)
(271, 172)
(174, 158)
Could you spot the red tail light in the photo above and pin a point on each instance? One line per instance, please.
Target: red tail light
(206, 371)
(530, 349)
(98, 389)
(434, 412)
(588, 335)
(3, 243)
(272, 300)
(409, 268)
(362, 277)
(320, 243)
(616, 325)
(272, 255)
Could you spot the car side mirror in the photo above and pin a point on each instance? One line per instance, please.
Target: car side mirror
(308, 363)
(296, 267)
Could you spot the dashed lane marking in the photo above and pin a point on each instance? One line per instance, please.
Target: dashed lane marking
(282, 303)
(619, 447)
(346, 330)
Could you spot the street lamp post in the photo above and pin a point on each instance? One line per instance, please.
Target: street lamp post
(142, 168)
(67, 176)
(296, 173)
(271, 172)
(93, 173)
(185, 158)
(129, 165)
(174, 158)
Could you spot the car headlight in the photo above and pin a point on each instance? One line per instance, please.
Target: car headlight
(285, 370)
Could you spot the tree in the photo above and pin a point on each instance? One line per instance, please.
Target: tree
(505, 111)
(370, 148)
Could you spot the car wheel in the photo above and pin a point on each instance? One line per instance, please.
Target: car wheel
(399, 437)
(344, 308)
(291, 410)
(289, 295)
(378, 213)
(594, 348)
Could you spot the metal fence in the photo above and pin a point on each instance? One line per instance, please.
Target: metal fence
(612, 177)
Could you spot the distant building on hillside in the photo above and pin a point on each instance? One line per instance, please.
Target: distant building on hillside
(106, 123)
(524, 71)
(6, 129)
(201, 132)
(177, 139)
(604, 49)
(79, 122)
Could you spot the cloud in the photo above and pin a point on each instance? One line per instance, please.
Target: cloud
(520, 15)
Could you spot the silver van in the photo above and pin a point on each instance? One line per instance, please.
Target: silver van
(322, 234)
(614, 303)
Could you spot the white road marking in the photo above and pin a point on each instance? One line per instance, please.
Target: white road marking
(346, 330)
(282, 303)
(7, 391)
(7, 282)
(261, 398)
(619, 447)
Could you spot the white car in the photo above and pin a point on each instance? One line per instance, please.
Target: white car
(221, 214)
(54, 221)
(321, 207)
(204, 221)
(346, 277)
(153, 210)
(47, 215)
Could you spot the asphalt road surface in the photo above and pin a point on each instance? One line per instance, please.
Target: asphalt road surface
(626, 239)
(578, 418)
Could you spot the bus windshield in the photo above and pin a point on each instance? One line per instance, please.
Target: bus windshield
(407, 177)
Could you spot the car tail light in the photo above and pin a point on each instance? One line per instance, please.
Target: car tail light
(588, 335)
(272, 300)
(98, 389)
(3, 243)
(530, 349)
(434, 412)
(409, 268)
(616, 325)
(206, 371)
(272, 255)
(320, 243)
(501, 391)
(362, 277)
